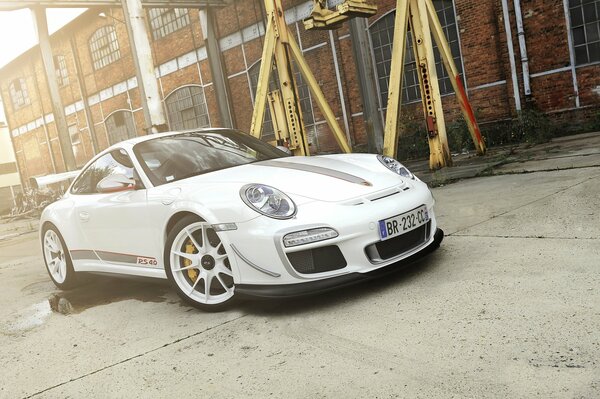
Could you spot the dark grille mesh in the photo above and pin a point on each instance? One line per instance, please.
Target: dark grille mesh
(395, 246)
(317, 260)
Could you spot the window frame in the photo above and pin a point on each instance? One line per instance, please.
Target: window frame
(175, 114)
(19, 98)
(161, 29)
(585, 44)
(113, 54)
(136, 174)
(62, 73)
(130, 135)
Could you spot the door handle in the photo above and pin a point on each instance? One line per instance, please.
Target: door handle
(84, 216)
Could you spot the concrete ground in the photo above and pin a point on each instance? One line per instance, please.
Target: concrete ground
(509, 306)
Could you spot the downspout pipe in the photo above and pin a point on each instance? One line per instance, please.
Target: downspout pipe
(511, 55)
(522, 48)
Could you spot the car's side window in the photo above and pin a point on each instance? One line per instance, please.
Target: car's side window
(115, 162)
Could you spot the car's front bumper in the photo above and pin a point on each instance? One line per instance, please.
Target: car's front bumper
(328, 284)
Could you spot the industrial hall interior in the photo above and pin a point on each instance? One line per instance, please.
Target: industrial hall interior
(515, 57)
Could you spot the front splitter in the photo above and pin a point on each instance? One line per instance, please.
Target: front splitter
(333, 283)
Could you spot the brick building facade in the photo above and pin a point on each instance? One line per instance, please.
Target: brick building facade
(94, 64)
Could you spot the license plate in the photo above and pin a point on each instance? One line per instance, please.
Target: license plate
(398, 225)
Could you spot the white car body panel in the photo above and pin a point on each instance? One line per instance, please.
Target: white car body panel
(123, 232)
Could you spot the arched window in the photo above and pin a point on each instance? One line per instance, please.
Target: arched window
(303, 92)
(18, 93)
(167, 20)
(186, 108)
(120, 126)
(104, 47)
(382, 37)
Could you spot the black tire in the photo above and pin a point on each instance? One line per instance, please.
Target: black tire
(179, 227)
(71, 278)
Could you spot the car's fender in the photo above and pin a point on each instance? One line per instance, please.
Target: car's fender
(61, 214)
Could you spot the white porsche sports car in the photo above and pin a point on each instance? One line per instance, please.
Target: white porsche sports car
(222, 214)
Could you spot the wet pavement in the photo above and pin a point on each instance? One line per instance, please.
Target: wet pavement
(577, 151)
(507, 307)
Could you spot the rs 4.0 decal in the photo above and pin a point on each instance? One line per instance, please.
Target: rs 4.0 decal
(141, 260)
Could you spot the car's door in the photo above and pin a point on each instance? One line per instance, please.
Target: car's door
(114, 225)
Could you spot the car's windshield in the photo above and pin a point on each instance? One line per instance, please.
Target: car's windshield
(171, 158)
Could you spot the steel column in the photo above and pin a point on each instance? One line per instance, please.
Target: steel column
(84, 96)
(135, 20)
(60, 120)
(217, 70)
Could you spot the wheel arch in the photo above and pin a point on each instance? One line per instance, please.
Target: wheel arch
(47, 224)
(176, 217)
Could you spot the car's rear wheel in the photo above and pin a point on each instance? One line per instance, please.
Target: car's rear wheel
(57, 259)
(197, 264)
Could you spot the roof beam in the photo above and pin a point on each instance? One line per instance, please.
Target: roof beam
(9, 5)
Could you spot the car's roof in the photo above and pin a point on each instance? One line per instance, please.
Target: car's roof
(141, 139)
(128, 144)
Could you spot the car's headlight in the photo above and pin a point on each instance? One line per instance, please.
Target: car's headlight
(268, 201)
(395, 166)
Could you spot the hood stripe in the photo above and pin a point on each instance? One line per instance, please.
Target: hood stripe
(317, 169)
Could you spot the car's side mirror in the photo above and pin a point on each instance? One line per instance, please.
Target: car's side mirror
(115, 183)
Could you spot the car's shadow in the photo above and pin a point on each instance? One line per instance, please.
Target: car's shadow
(97, 290)
(400, 279)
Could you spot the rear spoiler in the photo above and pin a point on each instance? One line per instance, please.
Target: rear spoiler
(42, 181)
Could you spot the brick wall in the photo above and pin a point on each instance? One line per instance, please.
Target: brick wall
(485, 57)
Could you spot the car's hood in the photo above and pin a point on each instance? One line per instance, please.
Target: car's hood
(325, 178)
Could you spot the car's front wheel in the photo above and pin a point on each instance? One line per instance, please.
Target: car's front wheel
(57, 259)
(197, 264)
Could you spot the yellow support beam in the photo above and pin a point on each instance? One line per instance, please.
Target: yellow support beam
(390, 138)
(459, 89)
(262, 87)
(439, 153)
(324, 19)
(421, 17)
(284, 104)
(319, 97)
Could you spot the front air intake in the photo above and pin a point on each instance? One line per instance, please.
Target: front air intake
(396, 246)
(317, 260)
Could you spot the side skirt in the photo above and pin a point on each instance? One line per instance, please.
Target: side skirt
(119, 269)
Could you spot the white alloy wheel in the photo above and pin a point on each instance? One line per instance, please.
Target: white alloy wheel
(199, 265)
(57, 259)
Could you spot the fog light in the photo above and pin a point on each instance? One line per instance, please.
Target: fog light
(308, 236)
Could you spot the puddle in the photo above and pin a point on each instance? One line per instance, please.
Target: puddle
(104, 290)
(39, 287)
(30, 318)
(97, 291)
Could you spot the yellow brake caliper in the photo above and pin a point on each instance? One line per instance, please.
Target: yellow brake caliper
(190, 249)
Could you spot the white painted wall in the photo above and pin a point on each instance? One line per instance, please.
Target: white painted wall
(7, 155)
